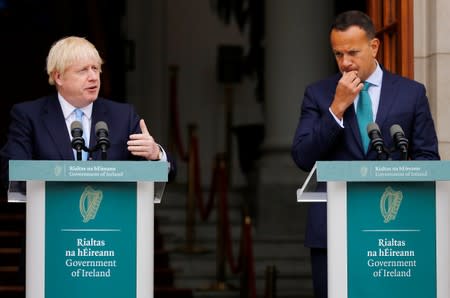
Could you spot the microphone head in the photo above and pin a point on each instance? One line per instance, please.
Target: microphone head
(376, 141)
(101, 126)
(101, 131)
(399, 138)
(396, 129)
(76, 126)
(372, 127)
(76, 130)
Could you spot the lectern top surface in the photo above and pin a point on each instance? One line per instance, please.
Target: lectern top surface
(433, 170)
(108, 171)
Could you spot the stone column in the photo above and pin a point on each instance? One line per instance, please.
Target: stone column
(147, 82)
(432, 63)
(297, 53)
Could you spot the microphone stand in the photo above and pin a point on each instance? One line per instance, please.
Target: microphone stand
(79, 150)
(102, 145)
(382, 154)
(97, 147)
(380, 149)
(404, 153)
(103, 154)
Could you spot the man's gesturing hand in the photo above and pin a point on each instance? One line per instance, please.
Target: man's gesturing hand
(143, 144)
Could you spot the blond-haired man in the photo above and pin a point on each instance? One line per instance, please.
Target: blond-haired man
(41, 129)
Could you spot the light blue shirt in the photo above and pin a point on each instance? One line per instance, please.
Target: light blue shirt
(69, 115)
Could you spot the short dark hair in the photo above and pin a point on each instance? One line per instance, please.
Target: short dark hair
(351, 18)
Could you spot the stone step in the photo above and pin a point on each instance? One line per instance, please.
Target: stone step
(202, 232)
(12, 291)
(284, 288)
(236, 294)
(262, 247)
(12, 238)
(171, 292)
(206, 262)
(9, 256)
(198, 270)
(206, 267)
(9, 275)
(178, 215)
(12, 222)
(175, 196)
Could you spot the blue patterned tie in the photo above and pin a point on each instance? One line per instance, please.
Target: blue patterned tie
(364, 115)
(79, 117)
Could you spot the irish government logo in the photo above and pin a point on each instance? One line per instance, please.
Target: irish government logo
(364, 171)
(90, 203)
(58, 170)
(390, 203)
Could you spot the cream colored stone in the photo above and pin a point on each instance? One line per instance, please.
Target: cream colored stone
(442, 26)
(421, 48)
(444, 150)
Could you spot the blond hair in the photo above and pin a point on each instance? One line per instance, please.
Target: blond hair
(66, 51)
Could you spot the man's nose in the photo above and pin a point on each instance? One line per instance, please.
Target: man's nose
(93, 74)
(346, 61)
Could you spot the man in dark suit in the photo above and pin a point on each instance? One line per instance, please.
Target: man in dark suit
(41, 129)
(328, 127)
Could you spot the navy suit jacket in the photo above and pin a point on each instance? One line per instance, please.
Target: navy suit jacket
(320, 137)
(38, 131)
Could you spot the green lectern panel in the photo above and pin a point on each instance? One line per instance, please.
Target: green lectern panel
(90, 242)
(391, 230)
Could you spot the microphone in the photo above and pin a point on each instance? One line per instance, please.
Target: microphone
(102, 133)
(376, 140)
(76, 130)
(400, 141)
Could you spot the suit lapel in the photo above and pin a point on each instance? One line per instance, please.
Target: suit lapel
(55, 125)
(387, 97)
(99, 113)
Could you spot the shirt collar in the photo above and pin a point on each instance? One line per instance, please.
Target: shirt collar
(376, 77)
(67, 108)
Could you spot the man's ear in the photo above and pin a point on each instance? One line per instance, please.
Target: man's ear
(57, 77)
(374, 45)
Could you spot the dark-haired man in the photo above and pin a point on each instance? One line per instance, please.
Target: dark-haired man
(328, 128)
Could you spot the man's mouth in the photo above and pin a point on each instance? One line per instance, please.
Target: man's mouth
(92, 88)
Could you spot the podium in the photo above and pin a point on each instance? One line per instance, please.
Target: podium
(90, 226)
(388, 228)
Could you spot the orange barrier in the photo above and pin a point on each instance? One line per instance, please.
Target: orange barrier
(205, 211)
(250, 258)
(246, 247)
